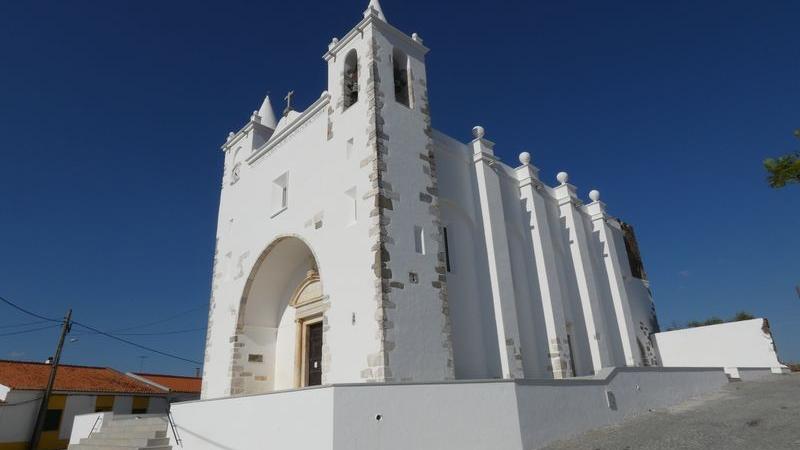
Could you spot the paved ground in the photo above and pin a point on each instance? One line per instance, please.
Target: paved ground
(750, 415)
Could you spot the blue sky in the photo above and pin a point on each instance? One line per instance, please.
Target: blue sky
(112, 114)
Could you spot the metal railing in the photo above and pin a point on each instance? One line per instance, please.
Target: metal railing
(174, 429)
(92, 431)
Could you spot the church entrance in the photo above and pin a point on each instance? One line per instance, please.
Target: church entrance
(280, 334)
(313, 360)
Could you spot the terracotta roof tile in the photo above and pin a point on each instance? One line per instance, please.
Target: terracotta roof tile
(34, 376)
(175, 383)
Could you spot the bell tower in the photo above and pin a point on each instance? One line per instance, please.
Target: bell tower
(379, 104)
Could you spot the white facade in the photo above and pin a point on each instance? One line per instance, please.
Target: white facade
(746, 344)
(471, 415)
(425, 259)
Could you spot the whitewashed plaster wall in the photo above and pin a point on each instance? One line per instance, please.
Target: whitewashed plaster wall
(424, 330)
(470, 415)
(744, 344)
(75, 405)
(16, 422)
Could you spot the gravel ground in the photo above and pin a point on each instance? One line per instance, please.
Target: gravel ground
(763, 414)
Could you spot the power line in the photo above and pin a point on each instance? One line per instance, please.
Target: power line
(166, 319)
(89, 327)
(19, 308)
(24, 324)
(162, 333)
(31, 330)
(117, 338)
(20, 403)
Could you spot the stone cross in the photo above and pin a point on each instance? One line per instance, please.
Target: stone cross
(288, 99)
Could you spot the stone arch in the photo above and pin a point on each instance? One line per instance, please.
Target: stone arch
(282, 295)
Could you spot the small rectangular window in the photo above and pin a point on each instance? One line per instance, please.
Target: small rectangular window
(280, 194)
(52, 420)
(104, 403)
(419, 240)
(352, 205)
(349, 148)
(446, 249)
(140, 405)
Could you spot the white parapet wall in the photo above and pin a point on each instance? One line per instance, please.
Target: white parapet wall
(747, 344)
(495, 414)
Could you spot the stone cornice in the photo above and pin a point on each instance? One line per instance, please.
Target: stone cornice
(279, 136)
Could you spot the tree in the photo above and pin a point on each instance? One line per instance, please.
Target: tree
(742, 315)
(713, 320)
(784, 169)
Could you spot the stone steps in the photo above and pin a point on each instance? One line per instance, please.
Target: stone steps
(129, 433)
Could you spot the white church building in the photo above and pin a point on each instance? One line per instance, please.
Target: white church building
(356, 243)
(380, 285)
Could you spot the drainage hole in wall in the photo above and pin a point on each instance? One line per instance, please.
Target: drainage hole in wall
(378, 417)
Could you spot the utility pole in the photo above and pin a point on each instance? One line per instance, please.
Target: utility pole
(37, 428)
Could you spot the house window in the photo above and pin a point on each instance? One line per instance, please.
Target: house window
(104, 403)
(140, 405)
(402, 90)
(350, 79)
(446, 249)
(52, 419)
(280, 194)
(419, 240)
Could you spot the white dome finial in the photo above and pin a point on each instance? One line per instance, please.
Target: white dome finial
(525, 158)
(374, 7)
(562, 177)
(478, 132)
(267, 114)
(594, 195)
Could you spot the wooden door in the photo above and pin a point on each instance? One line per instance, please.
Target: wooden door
(314, 355)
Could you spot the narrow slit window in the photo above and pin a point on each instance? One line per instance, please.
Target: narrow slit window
(350, 79)
(419, 240)
(352, 205)
(402, 93)
(280, 194)
(446, 249)
(349, 151)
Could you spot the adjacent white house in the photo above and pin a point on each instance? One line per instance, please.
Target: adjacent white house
(77, 390)
(356, 243)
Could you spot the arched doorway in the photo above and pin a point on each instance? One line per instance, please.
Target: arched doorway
(280, 331)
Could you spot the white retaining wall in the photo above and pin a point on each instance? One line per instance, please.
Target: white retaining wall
(744, 344)
(475, 415)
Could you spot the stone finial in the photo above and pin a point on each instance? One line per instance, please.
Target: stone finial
(374, 7)
(230, 135)
(525, 158)
(478, 132)
(562, 177)
(333, 43)
(416, 38)
(594, 195)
